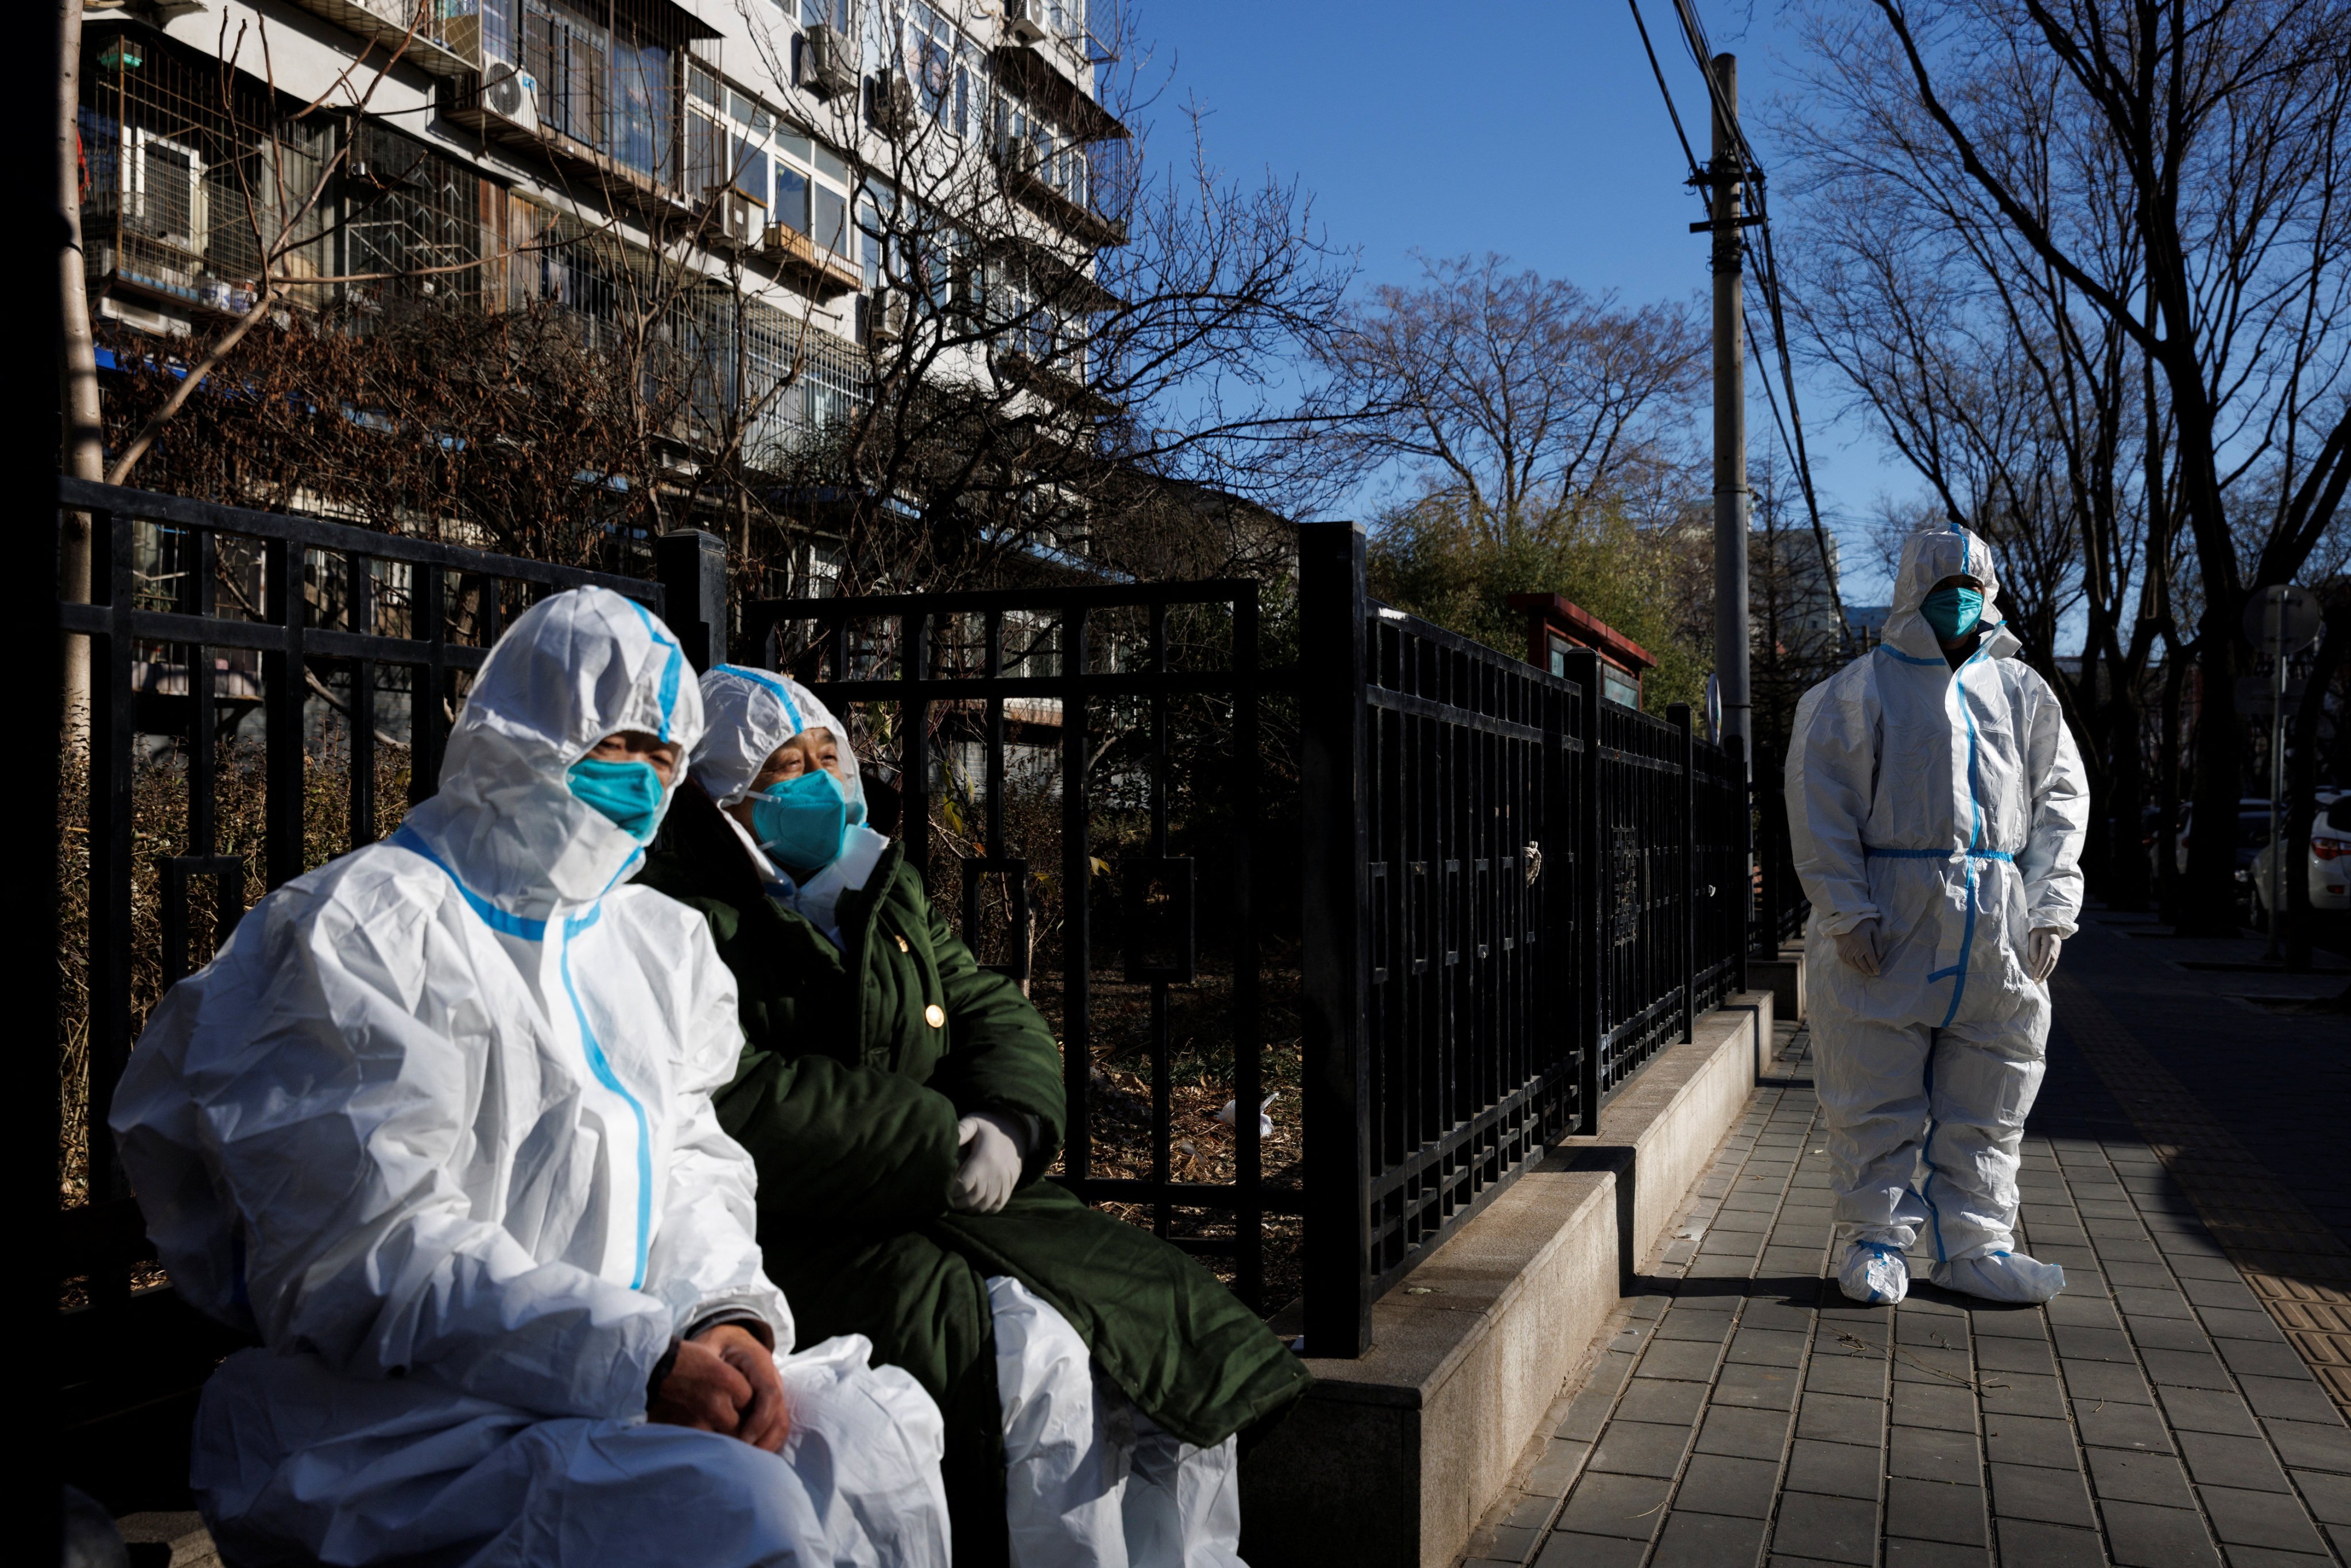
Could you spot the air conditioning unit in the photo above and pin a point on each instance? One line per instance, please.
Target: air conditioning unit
(732, 218)
(1020, 21)
(507, 101)
(828, 62)
(893, 108)
(886, 316)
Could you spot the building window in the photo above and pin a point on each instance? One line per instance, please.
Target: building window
(1059, 161)
(941, 63)
(792, 206)
(641, 96)
(193, 177)
(811, 189)
(828, 215)
(409, 209)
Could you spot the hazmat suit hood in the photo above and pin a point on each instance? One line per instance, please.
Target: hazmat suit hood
(573, 669)
(750, 713)
(1930, 556)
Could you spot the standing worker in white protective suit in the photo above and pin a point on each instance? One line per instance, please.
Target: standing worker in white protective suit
(1936, 805)
(436, 1125)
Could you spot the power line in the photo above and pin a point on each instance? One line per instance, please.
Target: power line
(1658, 71)
(1751, 175)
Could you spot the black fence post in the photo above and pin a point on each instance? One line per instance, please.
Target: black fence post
(1582, 667)
(691, 566)
(285, 683)
(1686, 809)
(1336, 921)
(1736, 745)
(1763, 888)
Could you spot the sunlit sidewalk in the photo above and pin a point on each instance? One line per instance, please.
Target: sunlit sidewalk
(2177, 1406)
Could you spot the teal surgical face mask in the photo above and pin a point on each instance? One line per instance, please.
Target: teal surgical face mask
(1952, 612)
(801, 822)
(630, 793)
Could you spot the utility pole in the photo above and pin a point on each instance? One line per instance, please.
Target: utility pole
(1731, 643)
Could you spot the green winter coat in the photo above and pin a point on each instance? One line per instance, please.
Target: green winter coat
(857, 1063)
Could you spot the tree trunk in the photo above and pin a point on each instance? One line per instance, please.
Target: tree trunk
(84, 431)
(2167, 886)
(2209, 905)
(2126, 867)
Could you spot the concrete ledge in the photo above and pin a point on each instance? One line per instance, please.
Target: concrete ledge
(1392, 1459)
(1661, 1130)
(1783, 977)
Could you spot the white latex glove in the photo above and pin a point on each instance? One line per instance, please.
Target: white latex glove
(2040, 950)
(1858, 947)
(991, 1163)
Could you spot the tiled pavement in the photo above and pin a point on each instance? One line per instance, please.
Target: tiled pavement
(2153, 1417)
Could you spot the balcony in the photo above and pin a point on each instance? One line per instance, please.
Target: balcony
(1054, 381)
(1039, 84)
(446, 47)
(821, 271)
(1017, 172)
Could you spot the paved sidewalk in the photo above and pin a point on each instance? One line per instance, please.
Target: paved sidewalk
(2158, 1414)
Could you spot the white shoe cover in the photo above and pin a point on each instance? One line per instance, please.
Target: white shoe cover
(2002, 1277)
(1874, 1274)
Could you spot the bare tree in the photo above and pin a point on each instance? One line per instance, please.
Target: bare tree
(989, 341)
(2135, 179)
(2016, 402)
(1516, 399)
(1056, 334)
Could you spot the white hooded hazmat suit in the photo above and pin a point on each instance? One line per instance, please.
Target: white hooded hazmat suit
(1089, 1481)
(1949, 806)
(435, 1123)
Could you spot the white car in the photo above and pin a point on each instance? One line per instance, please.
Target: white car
(2329, 861)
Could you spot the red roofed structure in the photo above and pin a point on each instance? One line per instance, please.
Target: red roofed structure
(1556, 626)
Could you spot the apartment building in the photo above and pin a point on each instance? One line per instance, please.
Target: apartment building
(807, 199)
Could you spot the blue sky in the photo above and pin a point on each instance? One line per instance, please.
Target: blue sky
(1526, 127)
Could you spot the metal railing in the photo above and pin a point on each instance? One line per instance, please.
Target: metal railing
(1491, 894)
(1087, 760)
(316, 627)
(1515, 893)
(1781, 906)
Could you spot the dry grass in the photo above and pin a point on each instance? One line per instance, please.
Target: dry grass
(158, 804)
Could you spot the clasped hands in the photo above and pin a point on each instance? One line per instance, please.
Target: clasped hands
(1859, 948)
(725, 1381)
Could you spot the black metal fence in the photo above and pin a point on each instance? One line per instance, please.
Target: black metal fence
(1491, 897)
(1515, 893)
(1446, 900)
(1780, 907)
(1079, 773)
(353, 648)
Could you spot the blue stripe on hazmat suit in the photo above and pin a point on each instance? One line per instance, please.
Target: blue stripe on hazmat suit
(436, 1125)
(1949, 806)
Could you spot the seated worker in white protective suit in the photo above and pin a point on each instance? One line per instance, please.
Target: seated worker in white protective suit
(436, 1125)
(902, 1105)
(1936, 805)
